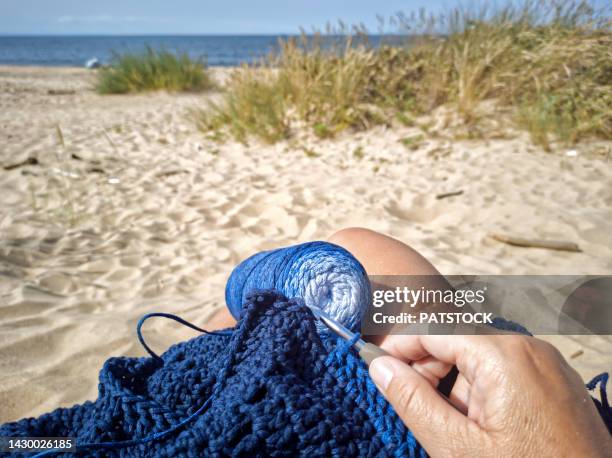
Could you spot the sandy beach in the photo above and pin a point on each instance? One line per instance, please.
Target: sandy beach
(115, 206)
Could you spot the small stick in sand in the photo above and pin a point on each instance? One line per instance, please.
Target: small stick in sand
(449, 194)
(61, 92)
(576, 354)
(536, 243)
(28, 161)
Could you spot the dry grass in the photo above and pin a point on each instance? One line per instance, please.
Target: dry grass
(153, 70)
(252, 105)
(550, 62)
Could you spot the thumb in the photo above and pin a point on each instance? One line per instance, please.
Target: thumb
(438, 426)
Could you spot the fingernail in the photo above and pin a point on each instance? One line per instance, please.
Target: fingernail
(381, 372)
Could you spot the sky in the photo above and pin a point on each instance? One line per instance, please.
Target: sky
(138, 17)
(65, 17)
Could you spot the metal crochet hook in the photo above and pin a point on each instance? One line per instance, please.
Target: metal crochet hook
(367, 351)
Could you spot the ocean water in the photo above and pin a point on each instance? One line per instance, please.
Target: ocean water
(74, 51)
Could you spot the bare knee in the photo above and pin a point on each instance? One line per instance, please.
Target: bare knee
(360, 240)
(381, 254)
(352, 235)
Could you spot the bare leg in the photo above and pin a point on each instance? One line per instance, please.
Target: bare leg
(378, 253)
(381, 254)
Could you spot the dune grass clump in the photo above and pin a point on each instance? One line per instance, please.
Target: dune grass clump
(252, 105)
(548, 63)
(551, 62)
(329, 88)
(335, 86)
(153, 70)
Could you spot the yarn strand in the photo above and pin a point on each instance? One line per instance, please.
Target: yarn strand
(175, 318)
(602, 404)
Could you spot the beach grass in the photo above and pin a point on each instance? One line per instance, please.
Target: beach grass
(153, 70)
(548, 63)
(252, 105)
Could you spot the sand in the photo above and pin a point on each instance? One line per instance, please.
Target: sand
(138, 211)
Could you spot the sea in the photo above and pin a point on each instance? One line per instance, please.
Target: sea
(75, 51)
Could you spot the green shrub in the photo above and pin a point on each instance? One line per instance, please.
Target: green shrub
(548, 61)
(322, 131)
(152, 70)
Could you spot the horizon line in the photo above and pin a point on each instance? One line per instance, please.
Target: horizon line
(164, 34)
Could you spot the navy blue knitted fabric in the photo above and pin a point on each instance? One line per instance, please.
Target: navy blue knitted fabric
(276, 389)
(272, 387)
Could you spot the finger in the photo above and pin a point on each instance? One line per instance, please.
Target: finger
(424, 411)
(404, 347)
(460, 394)
(464, 351)
(432, 369)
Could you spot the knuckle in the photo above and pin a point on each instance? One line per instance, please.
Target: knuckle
(555, 358)
(552, 350)
(519, 345)
(542, 350)
(517, 342)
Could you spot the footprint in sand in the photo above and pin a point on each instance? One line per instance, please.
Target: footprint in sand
(413, 208)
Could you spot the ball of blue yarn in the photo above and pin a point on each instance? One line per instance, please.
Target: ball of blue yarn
(324, 275)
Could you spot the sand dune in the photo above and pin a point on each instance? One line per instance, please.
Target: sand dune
(138, 211)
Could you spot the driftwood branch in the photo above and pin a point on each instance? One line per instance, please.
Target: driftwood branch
(576, 354)
(28, 161)
(61, 92)
(536, 243)
(449, 194)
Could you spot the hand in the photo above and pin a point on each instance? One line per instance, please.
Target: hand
(514, 396)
